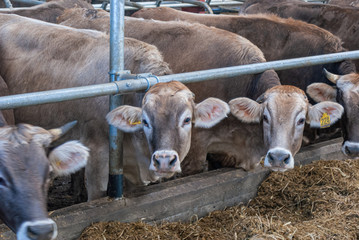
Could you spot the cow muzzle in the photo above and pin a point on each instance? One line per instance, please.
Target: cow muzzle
(350, 148)
(37, 230)
(165, 163)
(279, 159)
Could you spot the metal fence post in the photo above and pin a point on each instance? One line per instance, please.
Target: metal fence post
(8, 3)
(117, 13)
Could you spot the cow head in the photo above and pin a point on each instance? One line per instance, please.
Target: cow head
(283, 111)
(24, 176)
(346, 93)
(166, 117)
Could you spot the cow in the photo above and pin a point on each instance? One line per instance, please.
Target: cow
(344, 92)
(25, 168)
(340, 21)
(166, 116)
(39, 56)
(48, 11)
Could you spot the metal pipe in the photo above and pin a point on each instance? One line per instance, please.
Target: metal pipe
(199, 3)
(172, 4)
(117, 20)
(133, 4)
(127, 86)
(8, 4)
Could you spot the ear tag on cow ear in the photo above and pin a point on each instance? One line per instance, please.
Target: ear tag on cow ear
(325, 121)
(135, 123)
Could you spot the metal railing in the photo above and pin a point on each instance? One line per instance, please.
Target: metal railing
(132, 85)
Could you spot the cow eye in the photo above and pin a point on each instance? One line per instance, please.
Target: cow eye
(3, 182)
(187, 121)
(301, 121)
(145, 123)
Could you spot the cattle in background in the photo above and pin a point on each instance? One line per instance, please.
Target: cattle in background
(39, 56)
(276, 37)
(340, 21)
(204, 48)
(166, 117)
(344, 92)
(48, 11)
(25, 174)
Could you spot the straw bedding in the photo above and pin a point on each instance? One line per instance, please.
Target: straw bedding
(316, 201)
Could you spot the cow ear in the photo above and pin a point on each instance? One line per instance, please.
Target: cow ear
(126, 118)
(324, 114)
(68, 158)
(322, 92)
(210, 112)
(246, 110)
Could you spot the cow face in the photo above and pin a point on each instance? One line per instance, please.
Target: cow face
(24, 177)
(346, 93)
(283, 111)
(166, 117)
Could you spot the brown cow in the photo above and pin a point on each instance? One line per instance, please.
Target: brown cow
(39, 56)
(341, 21)
(345, 92)
(25, 174)
(166, 116)
(48, 11)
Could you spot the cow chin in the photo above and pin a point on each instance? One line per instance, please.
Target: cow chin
(279, 159)
(351, 148)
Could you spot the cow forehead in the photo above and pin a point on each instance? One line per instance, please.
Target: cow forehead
(285, 101)
(171, 91)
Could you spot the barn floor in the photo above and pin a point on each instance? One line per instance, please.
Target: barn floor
(316, 201)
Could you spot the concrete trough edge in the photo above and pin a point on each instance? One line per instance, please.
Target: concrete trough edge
(180, 199)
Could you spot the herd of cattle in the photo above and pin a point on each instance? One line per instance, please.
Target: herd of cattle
(239, 120)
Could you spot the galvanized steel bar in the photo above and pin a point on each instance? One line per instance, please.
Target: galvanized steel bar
(117, 16)
(127, 86)
(8, 4)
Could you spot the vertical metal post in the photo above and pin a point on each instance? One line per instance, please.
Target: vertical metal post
(117, 13)
(8, 3)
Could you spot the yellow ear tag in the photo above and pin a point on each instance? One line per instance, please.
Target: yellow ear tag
(325, 121)
(135, 123)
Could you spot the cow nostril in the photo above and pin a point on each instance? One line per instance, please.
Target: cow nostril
(287, 159)
(173, 161)
(347, 151)
(156, 163)
(270, 158)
